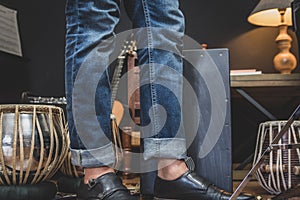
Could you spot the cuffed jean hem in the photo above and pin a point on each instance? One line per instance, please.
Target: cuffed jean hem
(103, 156)
(164, 148)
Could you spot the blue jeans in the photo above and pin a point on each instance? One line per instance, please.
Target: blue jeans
(90, 46)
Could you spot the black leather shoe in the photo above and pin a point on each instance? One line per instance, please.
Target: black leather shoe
(106, 187)
(190, 187)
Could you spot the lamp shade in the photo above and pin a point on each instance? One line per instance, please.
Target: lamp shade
(266, 13)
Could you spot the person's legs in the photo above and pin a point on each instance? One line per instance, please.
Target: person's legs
(89, 43)
(87, 57)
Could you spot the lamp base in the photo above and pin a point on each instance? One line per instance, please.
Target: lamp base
(284, 62)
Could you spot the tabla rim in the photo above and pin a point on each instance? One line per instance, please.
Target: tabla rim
(29, 107)
(277, 122)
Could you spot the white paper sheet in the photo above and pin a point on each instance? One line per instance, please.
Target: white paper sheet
(9, 32)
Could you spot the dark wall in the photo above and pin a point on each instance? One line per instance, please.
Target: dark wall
(41, 23)
(41, 70)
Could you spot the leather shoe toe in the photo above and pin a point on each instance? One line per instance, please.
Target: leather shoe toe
(191, 187)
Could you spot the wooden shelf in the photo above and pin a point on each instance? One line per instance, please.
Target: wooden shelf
(265, 80)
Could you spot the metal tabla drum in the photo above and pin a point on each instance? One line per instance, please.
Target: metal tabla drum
(67, 167)
(71, 170)
(33, 143)
(281, 168)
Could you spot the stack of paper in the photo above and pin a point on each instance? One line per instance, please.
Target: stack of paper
(239, 72)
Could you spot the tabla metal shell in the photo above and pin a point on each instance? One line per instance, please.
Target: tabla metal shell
(280, 170)
(33, 143)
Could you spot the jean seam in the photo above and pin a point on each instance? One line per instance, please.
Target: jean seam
(151, 66)
(76, 40)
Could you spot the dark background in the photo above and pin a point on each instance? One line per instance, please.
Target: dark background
(219, 24)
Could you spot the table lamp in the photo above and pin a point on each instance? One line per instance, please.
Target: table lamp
(277, 13)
